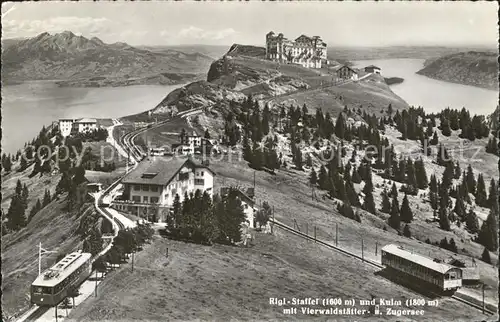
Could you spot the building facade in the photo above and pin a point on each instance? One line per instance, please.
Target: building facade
(310, 52)
(157, 180)
(74, 126)
(84, 126)
(372, 69)
(65, 126)
(345, 72)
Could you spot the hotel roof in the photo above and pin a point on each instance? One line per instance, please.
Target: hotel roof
(441, 268)
(160, 170)
(85, 120)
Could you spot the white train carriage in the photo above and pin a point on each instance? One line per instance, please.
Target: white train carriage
(51, 287)
(442, 276)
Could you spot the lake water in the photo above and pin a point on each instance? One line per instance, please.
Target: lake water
(29, 106)
(433, 95)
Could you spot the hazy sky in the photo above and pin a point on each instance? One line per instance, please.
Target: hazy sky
(224, 23)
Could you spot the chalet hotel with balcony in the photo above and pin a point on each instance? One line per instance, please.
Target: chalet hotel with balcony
(156, 181)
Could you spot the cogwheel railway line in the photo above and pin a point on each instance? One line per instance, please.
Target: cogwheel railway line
(367, 261)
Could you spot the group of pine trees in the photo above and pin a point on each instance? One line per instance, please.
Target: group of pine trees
(16, 214)
(202, 220)
(126, 242)
(390, 205)
(492, 146)
(261, 155)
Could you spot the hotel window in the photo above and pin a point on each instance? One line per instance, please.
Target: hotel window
(145, 199)
(154, 188)
(137, 187)
(183, 176)
(145, 187)
(154, 199)
(200, 182)
(136, 198)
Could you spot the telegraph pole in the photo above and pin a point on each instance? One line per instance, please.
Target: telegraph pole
(254, 183)
(41, 251)
(483, 297)
(336, 234)
(362, 251)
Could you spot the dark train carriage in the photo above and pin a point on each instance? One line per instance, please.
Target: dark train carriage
(442, 276)
(51, 287)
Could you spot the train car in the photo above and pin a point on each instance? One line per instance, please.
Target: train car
(51, 287)
(440, 276)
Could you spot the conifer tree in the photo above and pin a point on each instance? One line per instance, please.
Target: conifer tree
(356, 178)
(488, 235)
(7, 163)
(340, 127)
(313, 177)
(406, 213)
(247, 150)
(452, 246)
(257, 157)
(421, 174)
(493, 195)
(433, 184)
(386, 203)
(394, 191)
(340, 187)
(309, 160)
(351, 194)
(434, 140)
(481, 199)
(444, 222)
(24, 164)
(16, 212)
(448, 174)
(46, 198)
(394, 219)
(24, 196)
(460, 209)
(445, 127)
(406, 231)
(442, 156)
(471, 222)
(323, 178)
(492, 146)
(471, 181)
(485, 256)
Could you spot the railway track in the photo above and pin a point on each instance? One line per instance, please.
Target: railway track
(369, 262)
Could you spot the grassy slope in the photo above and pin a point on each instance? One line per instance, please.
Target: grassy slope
(224, 283)
(20, 252)
(371, 94)
(36, 185)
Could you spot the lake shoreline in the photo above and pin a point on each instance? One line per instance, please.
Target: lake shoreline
(45, 102)
(433, 95)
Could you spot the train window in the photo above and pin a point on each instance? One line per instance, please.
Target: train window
(37, 289)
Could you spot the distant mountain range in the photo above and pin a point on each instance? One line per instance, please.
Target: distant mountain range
(78, 61)
(345, 54)
(476, 68)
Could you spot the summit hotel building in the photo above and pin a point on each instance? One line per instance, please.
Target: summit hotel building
(309, 52)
